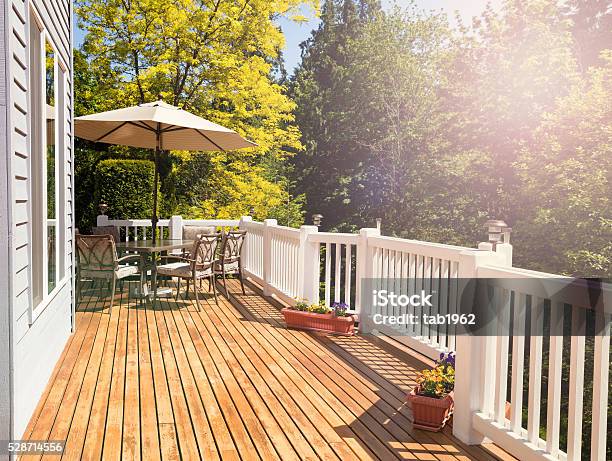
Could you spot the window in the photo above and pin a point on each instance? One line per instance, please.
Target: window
(47, 145)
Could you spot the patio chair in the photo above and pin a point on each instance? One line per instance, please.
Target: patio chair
(230, 258)
(195, 232)
(198, 267)
(97, 259)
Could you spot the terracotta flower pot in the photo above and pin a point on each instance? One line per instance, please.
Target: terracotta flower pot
(429, 413)
(319, 322)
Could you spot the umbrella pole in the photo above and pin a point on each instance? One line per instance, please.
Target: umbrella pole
(155, 183)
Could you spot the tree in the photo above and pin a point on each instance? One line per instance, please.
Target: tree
(568, 170)
(214, 58)
(592, 29)
(321, 87)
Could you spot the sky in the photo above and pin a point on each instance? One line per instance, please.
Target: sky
(296, 33)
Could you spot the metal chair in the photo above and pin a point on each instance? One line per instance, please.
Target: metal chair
(197, 267)
(230, 258)
(97, 259)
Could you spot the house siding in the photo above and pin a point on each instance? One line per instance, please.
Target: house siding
(35, 346)
(5, 295)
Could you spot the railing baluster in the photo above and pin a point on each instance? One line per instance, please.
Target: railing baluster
(327, 272)
(397, 278)
(553, 418)
(404, 282)
(435, 299)
(412, 263)
(295, 264)
(490, 355)
(453, 301)
(600, 385)
(535, 370)
(426, 332)
(347, 275)
(502, 355)
(444, 287)
(337, 273)
(518, 363)
(576, 384)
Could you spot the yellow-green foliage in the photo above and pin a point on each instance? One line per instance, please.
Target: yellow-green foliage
(235, 190)
(212, 58)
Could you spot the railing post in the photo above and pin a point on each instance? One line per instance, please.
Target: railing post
(267, 255)
(364, 268)
(245, 249)
(309, 264)
(505, 249)
(102, 220)
(176, 227)
(243, 220)
(475, 365)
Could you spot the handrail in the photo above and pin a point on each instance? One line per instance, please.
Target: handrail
(333, 237)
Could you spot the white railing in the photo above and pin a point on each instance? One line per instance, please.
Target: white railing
(284, 248)
(491, 370)
(339, 267)
(141, 229)
(499, 379)
(409, 267)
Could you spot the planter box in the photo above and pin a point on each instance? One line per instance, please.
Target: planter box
(319, 322)
(428, 413)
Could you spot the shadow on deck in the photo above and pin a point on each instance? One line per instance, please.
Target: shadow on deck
(229, 382)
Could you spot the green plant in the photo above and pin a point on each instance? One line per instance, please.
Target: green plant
(319, 309)
(300, 305)
(439, 381)
(340, 309)
(126, 186)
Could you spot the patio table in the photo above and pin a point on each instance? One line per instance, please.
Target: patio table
(148, 247)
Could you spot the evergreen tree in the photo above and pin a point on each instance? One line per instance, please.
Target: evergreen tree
(328, 168)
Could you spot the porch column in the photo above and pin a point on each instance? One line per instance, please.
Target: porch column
(475, 364)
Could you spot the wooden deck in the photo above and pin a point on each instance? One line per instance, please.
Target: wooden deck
(229, 382)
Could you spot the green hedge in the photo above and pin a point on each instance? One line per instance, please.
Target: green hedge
(126, 186)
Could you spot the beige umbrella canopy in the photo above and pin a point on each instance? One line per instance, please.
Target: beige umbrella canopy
(158, 126)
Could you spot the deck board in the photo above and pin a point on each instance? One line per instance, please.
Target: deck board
(229, 382)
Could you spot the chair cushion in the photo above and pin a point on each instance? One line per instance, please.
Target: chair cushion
(125, 271)
(181, 269)
(230, 268)
(121, 272)
(194, 232)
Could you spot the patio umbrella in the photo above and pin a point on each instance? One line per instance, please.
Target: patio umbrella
(158, 126)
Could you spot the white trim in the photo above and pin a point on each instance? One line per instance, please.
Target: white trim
(514, 443)
(48, 300)
(40, 298)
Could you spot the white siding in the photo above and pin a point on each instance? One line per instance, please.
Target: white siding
(36, 347)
